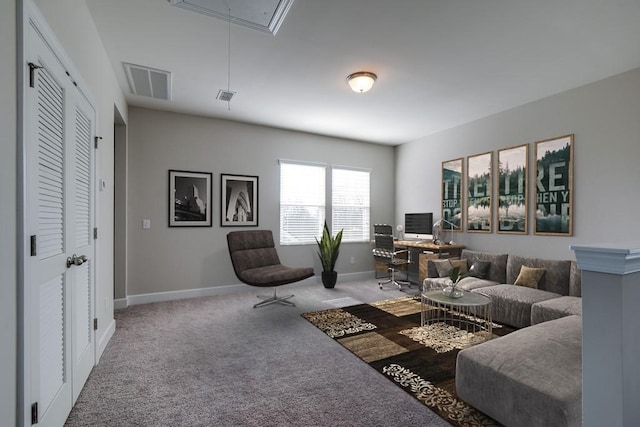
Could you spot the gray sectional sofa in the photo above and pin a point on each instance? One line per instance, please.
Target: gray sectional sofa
(557, 294)
(533, 376)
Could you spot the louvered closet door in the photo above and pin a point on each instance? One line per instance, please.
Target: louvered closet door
(60, 204)
(82, 242)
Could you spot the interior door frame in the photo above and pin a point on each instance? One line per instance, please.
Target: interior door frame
(27, 14)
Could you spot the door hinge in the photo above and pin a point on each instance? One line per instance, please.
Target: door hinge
(95, 324)
(34, 413)
(95, 233)
(32, 74)
(96, 139)
(33, 245)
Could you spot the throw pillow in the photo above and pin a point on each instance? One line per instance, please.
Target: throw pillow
(461, 264)
(443, 267)
(529, 277)
(479, 269)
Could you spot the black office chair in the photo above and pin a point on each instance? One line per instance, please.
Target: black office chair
(256, 263)
(384, 252)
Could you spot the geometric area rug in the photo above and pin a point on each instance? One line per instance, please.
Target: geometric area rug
(421, 360)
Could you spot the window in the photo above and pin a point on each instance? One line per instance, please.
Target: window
(350, 204)
(302, 202)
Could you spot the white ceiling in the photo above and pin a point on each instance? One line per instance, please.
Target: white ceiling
(440, 63)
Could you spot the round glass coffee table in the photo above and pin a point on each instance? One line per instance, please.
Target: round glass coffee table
(470, 312)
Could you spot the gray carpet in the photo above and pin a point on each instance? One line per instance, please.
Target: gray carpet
(217, 361)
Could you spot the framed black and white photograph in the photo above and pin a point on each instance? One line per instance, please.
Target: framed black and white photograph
(554, 186)
(479, 169)
(189, 199)
(239, 201)
(512, 189)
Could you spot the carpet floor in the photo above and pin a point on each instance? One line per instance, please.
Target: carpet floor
(216, 361)
(420, 360)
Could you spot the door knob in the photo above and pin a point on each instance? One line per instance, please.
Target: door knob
(76, 260)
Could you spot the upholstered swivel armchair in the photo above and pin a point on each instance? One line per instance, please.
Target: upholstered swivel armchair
(256, 263)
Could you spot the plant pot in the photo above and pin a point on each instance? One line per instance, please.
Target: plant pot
(329, 278)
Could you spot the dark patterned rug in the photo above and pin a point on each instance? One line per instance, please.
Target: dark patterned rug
(421, 360)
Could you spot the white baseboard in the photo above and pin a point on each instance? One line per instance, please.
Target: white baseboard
(120, 303)
(219, 290)
(188, 293)
(351, 277)
(104, 339)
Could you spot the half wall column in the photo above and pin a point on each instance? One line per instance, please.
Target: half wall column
(610, 333)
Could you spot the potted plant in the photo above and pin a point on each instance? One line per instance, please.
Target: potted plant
(455, 276)
(328, 251)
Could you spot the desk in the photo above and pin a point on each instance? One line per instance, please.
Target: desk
(422, 252)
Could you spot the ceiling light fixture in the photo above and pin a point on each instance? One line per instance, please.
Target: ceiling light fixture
(362, 81)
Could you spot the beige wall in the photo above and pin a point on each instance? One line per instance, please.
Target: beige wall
(175, 259)
(605, 118)
(8, 280)
(73, 25)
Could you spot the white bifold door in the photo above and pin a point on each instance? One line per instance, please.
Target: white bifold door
(59, 221)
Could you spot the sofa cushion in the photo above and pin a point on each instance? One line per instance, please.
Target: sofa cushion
(556, 277)
(479, 269)
(467, 284)
(498, 263)
(443, 267)
(556, 308)
(529, 277)
(531, 377)
(511, 304)
(463, 268)
(470, 283)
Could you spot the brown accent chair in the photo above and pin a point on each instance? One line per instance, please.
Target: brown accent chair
(256, 263)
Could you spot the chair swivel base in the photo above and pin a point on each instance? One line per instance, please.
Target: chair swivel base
(394, 282)
(274, 299)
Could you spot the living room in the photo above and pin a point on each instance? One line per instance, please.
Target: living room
(170, 263)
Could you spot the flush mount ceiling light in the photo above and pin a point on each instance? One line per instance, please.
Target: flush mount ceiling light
(362, 81)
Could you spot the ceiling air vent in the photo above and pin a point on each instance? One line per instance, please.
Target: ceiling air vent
(145, 81)
(225, 95)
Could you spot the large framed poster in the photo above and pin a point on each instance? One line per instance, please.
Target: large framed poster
(452, 195)
(554, 186)
(513, 166)
(479, 169)
(189, 199)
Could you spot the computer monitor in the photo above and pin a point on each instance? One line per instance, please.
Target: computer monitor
(418, 226)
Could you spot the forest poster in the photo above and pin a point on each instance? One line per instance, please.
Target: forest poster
(452, 194)
(512, 189)
(479, 193)
(554, 186)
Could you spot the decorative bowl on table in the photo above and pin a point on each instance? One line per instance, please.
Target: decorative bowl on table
(452, 292)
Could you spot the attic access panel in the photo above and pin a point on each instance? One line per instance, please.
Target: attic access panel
(261, 15)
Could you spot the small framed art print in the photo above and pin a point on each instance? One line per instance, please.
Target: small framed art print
(239, 201)
(189, 199)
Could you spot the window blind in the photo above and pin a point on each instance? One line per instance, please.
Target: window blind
(302, 202)
(350, 201)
